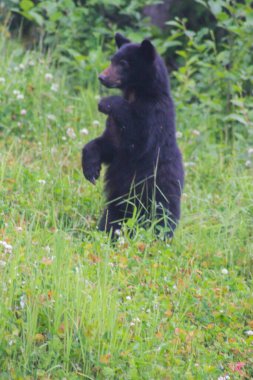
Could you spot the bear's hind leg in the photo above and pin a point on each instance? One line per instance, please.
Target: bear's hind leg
(167, 216)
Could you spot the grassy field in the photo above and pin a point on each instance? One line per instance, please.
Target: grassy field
(74, 306)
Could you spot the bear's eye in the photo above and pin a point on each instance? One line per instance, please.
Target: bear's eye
(123, 63)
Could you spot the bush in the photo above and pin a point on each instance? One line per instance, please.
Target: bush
(74, 31)
(214, 61)
(216, 66)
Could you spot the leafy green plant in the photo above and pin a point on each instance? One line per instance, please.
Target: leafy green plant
(76, 31)
(216, 66)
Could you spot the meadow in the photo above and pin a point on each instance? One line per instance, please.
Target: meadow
(75, 306)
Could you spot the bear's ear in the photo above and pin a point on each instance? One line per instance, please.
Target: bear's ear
(147, 50)
(121, 40)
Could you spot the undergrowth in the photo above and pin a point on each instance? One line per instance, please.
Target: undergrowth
(72, 304)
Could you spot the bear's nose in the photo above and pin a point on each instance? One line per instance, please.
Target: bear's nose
(102, 78)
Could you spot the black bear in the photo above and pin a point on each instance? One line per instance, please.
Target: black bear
(144, 165)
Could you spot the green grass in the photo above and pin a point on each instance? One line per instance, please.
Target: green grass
(75, 306)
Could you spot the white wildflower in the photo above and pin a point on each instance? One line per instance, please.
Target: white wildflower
(97, 98)
(128, 298)
(2, 263)
(55, 87)
(77, 269)
(226, 377)
(121, 240)
(224, 271)
(23, 112)
(31, 63)
(195, 132)
(148, 311)
(20, 96)
(174, 287)
(22, 66)
(84, 131)
(189, 164)
(2, 80)
(95, 123)
(19, 229)
(48, 77)
(250, 151)
(179, 135)
(51, 117)
(41, 181)
(47, 249)
(22, 301)
(64, 138)
(71, 133)
(132, 323)
(248, 164)
(185, 196)
(16, 92)
(249, 332)
(7, 247)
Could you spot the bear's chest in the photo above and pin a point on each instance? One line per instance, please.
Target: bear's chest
(115, 132)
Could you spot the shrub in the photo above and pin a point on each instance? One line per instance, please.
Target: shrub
(216, 65)
(74, 31)
(214, 61)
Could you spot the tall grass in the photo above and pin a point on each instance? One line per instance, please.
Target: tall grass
(72, 304)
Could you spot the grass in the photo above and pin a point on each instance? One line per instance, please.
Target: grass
(74, 306)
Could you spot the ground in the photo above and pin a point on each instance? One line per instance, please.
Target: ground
(75, 306)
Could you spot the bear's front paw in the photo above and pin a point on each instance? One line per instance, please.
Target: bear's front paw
(110, 104)
(105, 106)
(91, 165)
(91, 171)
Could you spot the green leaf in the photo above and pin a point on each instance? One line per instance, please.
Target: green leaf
(56, 16)
(202, 2)
(37, 17)
(26, 5)
(190, 34)
(175, 23)
(215, 7)
(235, 117)
(169, 44)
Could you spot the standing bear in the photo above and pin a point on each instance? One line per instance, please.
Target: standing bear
(144, 175)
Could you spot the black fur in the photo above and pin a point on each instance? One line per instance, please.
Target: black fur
(139, 143)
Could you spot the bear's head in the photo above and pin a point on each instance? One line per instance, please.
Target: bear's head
(131, 66)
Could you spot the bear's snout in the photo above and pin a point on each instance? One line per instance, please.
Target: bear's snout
(110, 77)
(102, 78)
